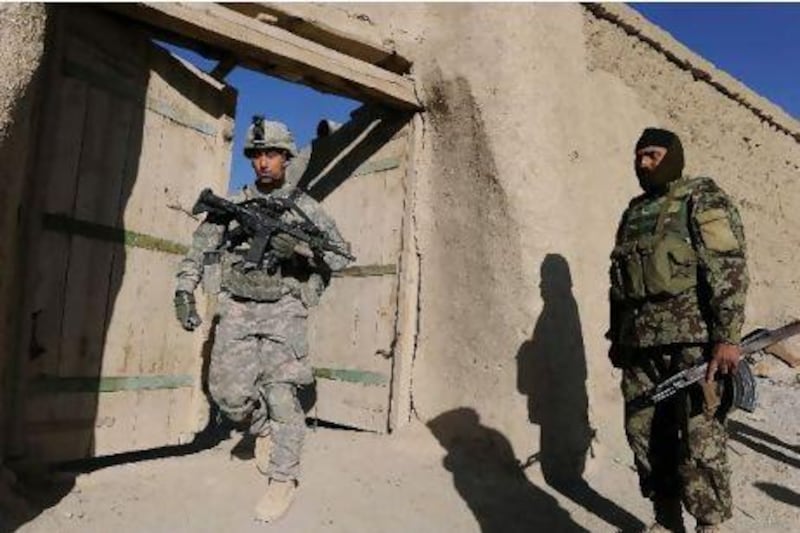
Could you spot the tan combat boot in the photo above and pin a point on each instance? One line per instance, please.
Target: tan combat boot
(276, 501)
(262, 451)
(708, 529)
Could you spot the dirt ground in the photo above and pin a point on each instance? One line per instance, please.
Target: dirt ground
(356, 481)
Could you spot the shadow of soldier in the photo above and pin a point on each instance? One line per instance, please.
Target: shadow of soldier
(551, 372)
(487, 476)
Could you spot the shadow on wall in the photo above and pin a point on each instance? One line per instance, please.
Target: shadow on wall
(338, 152)
(551, 372)
(487, 476)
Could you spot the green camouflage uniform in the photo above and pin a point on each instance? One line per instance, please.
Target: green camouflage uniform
(678, 286)
(260, 353)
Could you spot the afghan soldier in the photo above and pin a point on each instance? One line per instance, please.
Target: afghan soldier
(678, 284)
(260, 353)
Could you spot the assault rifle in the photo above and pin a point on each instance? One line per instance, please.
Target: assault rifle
(743, 389)
(259, 219)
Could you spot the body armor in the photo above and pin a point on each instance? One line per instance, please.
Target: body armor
(654, 258)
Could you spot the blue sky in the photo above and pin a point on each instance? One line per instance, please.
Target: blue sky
(755, 43)
(299, 107)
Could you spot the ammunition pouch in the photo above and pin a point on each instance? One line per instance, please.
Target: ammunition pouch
(627, 276)
(661, 263)
(653, 267)
(255, 284)
(261, 286)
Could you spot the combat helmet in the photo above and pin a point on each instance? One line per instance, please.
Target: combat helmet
(264, 134)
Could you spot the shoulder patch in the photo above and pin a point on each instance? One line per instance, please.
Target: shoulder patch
(716, 231)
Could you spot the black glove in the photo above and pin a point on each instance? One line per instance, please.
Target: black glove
(283, 245)
(186, 311)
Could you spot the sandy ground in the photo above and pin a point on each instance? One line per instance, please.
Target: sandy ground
(407, 481)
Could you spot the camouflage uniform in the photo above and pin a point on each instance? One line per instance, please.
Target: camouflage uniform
(260, 353)
(678, 285)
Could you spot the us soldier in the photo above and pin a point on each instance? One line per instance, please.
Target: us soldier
(259, 358)
(678, 284)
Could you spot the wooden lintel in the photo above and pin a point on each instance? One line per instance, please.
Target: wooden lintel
(276, 51)
(298, 20)
(223, 68)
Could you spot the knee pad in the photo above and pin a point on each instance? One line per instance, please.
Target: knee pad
(283, 403)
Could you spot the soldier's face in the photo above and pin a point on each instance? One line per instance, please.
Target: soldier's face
(649, 157)
(269, 166)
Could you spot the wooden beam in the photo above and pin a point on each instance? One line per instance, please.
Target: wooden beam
(300, 20)
(223, 68)
(275, 51)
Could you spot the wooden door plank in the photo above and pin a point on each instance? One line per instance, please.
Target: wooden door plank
(60, 173)
(60, 426)
(351, 327)
(353, 404)
(97, 200)
(115, 423)
(407, 292)
(354, 328)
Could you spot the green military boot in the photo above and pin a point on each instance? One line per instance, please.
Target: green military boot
(277, 500)
(262, 452)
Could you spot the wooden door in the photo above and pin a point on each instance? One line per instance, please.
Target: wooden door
(359, 173)
(129, 135)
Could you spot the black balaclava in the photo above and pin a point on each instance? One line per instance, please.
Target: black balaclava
(670, 168)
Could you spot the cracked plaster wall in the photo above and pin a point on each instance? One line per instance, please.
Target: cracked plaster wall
(531, 115)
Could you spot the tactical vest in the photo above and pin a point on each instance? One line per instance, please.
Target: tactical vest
(258, 284)
(654, 257)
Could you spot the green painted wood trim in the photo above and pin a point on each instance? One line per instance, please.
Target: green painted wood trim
(380, 165)
(363, 377)
(127, 89)
(54, 384)
(92, 230)
(366, 271)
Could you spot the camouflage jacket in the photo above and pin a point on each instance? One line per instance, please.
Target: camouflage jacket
(705, 265)
(205, 259)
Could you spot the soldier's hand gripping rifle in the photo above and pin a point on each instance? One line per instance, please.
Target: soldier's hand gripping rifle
(742, 383)
(259, 219)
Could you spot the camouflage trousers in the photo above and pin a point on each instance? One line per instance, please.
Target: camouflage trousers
(679, 445)
(259, 358)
